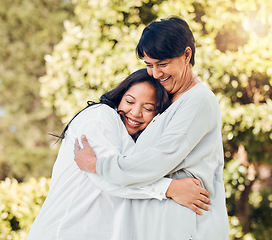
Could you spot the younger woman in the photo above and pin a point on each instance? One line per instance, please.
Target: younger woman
(76, 206)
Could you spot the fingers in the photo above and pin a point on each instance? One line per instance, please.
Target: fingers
(204, 192)
(199, 205)
(197, 182)
(188, 192)
(196, 209)
(84, 141)
(202, 202)
(204, 199)
(202, 205)
(76, 146)
(201, 198)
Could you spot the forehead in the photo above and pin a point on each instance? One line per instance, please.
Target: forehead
(143, 90)
(148, 59)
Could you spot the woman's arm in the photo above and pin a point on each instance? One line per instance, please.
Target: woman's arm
(105, 130)
(185, 191)
(189, 193)
(108, 135)
(187, 128)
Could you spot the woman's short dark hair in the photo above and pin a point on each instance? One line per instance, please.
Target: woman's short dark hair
(166, 39)
(113, 97)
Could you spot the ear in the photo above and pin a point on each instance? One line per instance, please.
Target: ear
(188, 54)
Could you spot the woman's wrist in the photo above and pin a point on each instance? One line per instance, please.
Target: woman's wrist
(171, 189)
(92, 165)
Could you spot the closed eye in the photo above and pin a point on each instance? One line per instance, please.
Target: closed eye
(163, 64)
(149, 65)
(149, 109)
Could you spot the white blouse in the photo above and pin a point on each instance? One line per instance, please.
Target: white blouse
(184, 141)
(82, 205)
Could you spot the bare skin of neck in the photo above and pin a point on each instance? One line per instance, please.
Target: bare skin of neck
(189, 83)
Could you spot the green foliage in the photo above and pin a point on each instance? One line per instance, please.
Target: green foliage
(20, 203)
(232, 58)
(93, 56)
(97, 51)
(29, 30)
(236, 178)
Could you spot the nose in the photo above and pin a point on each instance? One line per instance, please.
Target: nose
(136, 111)
(157, 73)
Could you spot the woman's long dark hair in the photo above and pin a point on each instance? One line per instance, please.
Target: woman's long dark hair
(114, 96)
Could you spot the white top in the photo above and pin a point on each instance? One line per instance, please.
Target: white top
(77, 206)
(186, 137)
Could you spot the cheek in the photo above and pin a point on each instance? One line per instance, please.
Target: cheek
(148, 118)
(150, 72)
(122, 106)
(169, 71)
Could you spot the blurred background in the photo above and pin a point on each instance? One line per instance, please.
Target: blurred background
(55, 55)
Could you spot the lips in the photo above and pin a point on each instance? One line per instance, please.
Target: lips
(164, 79)
(133, 123)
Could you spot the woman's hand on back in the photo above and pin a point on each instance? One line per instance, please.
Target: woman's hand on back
(188, 192)
(85, 157)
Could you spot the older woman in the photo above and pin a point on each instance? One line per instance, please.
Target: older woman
(185, 140)
(82, 205)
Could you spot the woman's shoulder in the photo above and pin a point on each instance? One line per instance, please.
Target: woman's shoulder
(201, 92)
(96, 112)
(99, 116)
(198, 97)
(202, 89)
(107, 112)
(204, 98)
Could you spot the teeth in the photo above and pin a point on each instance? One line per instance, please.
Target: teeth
(162, 80)
(136, 123)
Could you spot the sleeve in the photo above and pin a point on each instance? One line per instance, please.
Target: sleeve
(105, 135)
(156, 190)
(187, 127)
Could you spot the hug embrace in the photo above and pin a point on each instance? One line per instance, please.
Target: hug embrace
(150, 164)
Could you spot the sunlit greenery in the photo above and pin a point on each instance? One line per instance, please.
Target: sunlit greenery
(97, 50)
(20, 203)
(29, 30)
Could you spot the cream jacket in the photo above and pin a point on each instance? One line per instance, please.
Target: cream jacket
(81, 205)
(185, 140)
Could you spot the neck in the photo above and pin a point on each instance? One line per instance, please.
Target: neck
(187, 86)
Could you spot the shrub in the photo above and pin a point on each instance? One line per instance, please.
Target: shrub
(19, 205)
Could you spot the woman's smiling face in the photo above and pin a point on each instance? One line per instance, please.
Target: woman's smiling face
(169, 72)
(139, 106)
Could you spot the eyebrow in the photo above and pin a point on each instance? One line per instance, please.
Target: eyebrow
(130, 95)
(155, 62)
(154, 105)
